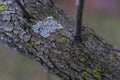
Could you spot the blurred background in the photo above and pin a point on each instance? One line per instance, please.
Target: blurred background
(103, 16)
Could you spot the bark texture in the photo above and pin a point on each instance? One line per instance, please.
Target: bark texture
(59, 53)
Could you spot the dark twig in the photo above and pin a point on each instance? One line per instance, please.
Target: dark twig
(79, 13)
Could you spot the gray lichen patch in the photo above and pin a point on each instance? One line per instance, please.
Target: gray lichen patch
(7, 27)
(6, 15)
(46, 27)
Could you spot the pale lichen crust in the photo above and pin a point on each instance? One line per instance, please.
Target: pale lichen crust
(46, 27)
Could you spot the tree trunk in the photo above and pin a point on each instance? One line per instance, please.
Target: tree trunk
(49, 39)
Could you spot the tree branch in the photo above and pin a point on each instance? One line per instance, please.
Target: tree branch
(25, 12)
(50, 41)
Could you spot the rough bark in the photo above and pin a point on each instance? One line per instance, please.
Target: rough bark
(59, 53)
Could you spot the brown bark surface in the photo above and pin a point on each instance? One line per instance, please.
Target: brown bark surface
(59, 53)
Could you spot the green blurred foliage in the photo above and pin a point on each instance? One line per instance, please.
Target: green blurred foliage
(14, 66)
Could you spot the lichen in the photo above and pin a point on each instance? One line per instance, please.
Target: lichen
(63, 59)
(3, 7)
(46, 27)
(95, 72)
(47, 50)
(37, 59)
(103, 59)
(61, 31)
(113, 58)
(32, 44)
(63, 40)
(90, 38)
(7, 27)
(81, 59)
(66, 54)
(27, 40)
(85, 74)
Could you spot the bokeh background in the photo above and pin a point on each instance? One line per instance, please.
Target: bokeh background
(103, 16)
